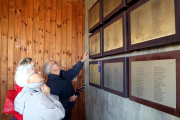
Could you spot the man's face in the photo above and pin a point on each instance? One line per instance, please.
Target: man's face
(34, 76)
(54, 66)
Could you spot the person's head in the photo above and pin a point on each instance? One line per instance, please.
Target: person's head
(50, 66)
(26, 61)
(25, 74)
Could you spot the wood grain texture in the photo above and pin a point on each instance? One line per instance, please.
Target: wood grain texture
(30, 27)
(36, 32)
(4, 54)
(17, 39)
(41, 35)
(58, 31)
(47, 33)
(53, 30)
(80, 52)
(1, 3)
(64, 37)
(69, 35)
(41, 30)
(11, 47)
(74, 51)
(23, 28)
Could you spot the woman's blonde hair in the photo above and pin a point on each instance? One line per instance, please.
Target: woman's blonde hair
(25, 61)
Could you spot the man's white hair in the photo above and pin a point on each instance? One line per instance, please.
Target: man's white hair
(46, 67)
(22, 74)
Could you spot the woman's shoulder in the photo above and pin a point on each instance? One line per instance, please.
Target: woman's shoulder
(44, 101)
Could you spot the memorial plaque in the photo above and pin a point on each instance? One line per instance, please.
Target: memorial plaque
(110, 7)
(114, 35)
(95, 40)
(152, 23)
(94, 74)
(115, 76)
(154, 81)
(95, 16)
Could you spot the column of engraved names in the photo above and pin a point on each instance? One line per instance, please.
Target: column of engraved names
(138, 24)
(159, 76)
(140, 81)
(156, 17)
(96, 44)
(116, 37)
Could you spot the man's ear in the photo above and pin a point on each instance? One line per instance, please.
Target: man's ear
(28, 81)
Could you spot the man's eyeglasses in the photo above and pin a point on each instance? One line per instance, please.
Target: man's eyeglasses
(33, 74)
(53, 64)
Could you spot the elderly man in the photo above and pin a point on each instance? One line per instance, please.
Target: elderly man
(35, 102)
(60, 84)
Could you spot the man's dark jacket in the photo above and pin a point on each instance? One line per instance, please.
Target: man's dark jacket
(62, 86)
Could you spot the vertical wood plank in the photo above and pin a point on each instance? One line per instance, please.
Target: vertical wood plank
(41, 35)
(41, 29)
(11, 47)
(58, 31)
(23, 28)
(79, 32)
(17, 40)
(69, 35)
(0, 52)
(4, 55)
(36, 31)
(74, 50)
(83, 70)
(64, 40)
(53, 30)
(30, 27)
(47, 32)
(11, 43)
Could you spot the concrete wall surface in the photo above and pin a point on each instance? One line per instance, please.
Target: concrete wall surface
(102, 105)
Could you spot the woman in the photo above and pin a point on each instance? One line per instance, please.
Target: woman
(24, 61)
(35, 102)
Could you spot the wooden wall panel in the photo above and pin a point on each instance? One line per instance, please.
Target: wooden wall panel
(42, 30)
(69, 34)
(53, 30)
(80, 52)
(4, 54)
(36, 32)
(47, 32)
(1, 104)
(30, 16)
(17, 34)
(58, 31)
(74, 49)
(64, 32)
(41, 35)
(11, 47)
(23, 28)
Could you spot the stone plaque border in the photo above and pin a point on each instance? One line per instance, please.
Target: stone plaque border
(123, 15)
(159, 41)
(125, 61)
(159, 56)
(92, 84)
(100, 54)
(100, 16)
(123, 5)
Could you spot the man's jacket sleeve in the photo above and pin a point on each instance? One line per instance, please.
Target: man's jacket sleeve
(72, 73)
